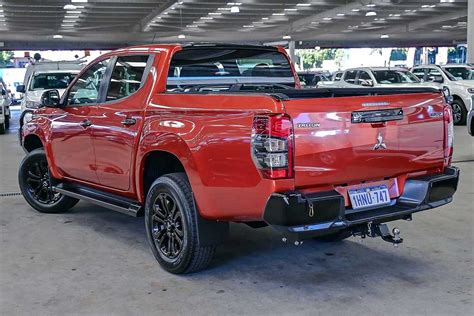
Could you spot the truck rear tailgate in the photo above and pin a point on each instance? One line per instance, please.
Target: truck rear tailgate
(335, 146)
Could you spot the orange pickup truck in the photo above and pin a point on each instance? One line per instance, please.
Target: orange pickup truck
(196, 136)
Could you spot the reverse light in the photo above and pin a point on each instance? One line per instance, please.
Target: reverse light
(272, 146)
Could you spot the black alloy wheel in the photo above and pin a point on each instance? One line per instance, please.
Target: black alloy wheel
(167, 226)
(38, 182)
(36, 185)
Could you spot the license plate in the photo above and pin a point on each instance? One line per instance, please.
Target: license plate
(369, 197)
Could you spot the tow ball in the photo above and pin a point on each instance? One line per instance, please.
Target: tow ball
(382, 230)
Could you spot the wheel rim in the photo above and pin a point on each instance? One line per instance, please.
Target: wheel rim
(457, 113)
(167, 226)
(38, 182)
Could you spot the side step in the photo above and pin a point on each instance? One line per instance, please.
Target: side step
(104, 199)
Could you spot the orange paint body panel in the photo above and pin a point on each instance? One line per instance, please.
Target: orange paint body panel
(211, 135)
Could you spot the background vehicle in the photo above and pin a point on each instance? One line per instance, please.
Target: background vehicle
(4, 108)
(43, 76)
(461, 90)
(460, 71)
(310, 79)
(470, 119)
(195, 136)
(375, 77)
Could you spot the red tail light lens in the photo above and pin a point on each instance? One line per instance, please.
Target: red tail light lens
(449, 135)
(272, 146)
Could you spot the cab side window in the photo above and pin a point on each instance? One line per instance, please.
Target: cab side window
(127, 77)
(350, 76)
(364, 79)
(420, 73)
(86, 89)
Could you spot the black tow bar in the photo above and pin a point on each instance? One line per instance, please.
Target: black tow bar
(380, 230)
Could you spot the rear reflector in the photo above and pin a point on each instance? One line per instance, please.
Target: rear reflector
(272, 146)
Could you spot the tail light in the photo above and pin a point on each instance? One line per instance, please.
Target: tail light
(449, 135)
(272, 146)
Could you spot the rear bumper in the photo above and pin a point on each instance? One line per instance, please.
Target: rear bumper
(290, 212)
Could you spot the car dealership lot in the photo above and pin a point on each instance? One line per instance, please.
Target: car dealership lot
(95, 261)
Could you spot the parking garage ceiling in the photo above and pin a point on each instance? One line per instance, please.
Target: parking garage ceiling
(50, 24)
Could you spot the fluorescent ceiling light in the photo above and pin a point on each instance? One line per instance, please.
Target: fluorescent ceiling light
(340, 14)
(71, 16)
(234, 9)
(327, 19)
(278, 14)
(355, 10)
(286, 37)
(371, 13)
(247, 26)
(57, 36)
(291, 9)
(303, 4)
(371, 5)
(73, 12)
(215, 13)
(384, 36)
(181, 36)
(78, 1)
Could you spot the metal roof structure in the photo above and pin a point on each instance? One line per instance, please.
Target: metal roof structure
(335, 23)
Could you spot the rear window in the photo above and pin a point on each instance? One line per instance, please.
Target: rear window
(394, 76)
(229, 69)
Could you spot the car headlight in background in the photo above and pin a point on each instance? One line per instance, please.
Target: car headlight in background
(470, 90)
(32, 104)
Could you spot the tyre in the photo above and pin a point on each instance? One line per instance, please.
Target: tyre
(2, 128)
(335, 237)
(7, 122)
(35, 185)
(459, 112)
(170, 220)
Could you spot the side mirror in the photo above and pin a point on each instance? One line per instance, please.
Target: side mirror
(20, 88)
(50, 98)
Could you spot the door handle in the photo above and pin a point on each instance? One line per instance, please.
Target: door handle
(129, 121)
(86, 123)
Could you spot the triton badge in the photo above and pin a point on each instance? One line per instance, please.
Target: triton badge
(307, 125)
(380, 144)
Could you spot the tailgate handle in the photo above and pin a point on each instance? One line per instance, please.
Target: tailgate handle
(377, 116)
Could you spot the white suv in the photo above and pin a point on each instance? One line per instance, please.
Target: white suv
(43, 76)
(461, 90)
(376, 77)
(4, 108)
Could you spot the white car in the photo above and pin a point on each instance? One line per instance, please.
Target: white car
(44, 76)
(461, 90)
(376, 77)
(4, 108)
(460, 71)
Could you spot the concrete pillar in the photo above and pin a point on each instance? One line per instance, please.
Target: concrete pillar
(291, 48)
(470, 31)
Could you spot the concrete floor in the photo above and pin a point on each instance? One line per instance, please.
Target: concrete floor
(95, 261)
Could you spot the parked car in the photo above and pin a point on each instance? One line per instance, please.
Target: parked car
(43, 76)
(4, 108)
(461, 90)
(196, 136)
(460, 71)
(375, 77)
(310, 79)
(470, 120)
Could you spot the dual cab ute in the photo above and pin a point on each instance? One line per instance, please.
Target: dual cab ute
(196, 136)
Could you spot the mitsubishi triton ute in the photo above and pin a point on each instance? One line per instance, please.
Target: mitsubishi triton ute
(193, 137)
